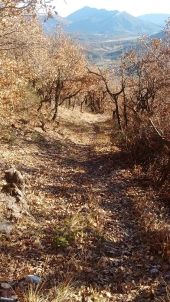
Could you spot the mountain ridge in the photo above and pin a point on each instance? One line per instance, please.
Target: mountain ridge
(102, 21)
(157, 18)
(90, 21)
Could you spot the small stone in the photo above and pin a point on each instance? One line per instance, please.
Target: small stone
(5, 285)
(154, 271)
(33, 279)
(13, 176)
(6, 227)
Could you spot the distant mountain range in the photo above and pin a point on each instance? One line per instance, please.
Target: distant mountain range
(159, 19)
(106, 35)
(90, 21)
(101, 21)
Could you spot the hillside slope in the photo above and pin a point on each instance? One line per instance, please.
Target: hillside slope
(86, 227)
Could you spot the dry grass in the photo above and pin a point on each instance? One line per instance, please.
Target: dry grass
(34, 295)
(62, 293)
(66, 292)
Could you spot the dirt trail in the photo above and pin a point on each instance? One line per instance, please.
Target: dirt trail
(124, 260)
(78, 170)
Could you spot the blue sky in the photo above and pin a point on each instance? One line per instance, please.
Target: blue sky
(134, 7)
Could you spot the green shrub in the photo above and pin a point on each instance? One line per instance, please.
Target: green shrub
(66, 233)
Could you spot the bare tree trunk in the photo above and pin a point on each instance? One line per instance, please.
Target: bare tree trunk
(58, 88)
(125, 109)
(117, 113)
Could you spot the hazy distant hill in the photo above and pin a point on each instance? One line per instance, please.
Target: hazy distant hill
(158, 19)
(101, 21)
(105, 35)
(161, 35)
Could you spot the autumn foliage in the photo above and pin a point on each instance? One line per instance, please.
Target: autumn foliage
(39, 73)
(95, 216)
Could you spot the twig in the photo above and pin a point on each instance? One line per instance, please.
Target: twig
(166, 142)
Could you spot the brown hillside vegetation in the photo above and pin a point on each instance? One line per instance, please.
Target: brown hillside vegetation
(84, 167)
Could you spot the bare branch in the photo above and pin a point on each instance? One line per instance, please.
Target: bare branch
(165, 141)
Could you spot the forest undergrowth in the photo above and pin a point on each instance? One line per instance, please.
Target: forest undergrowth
(96, 230)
